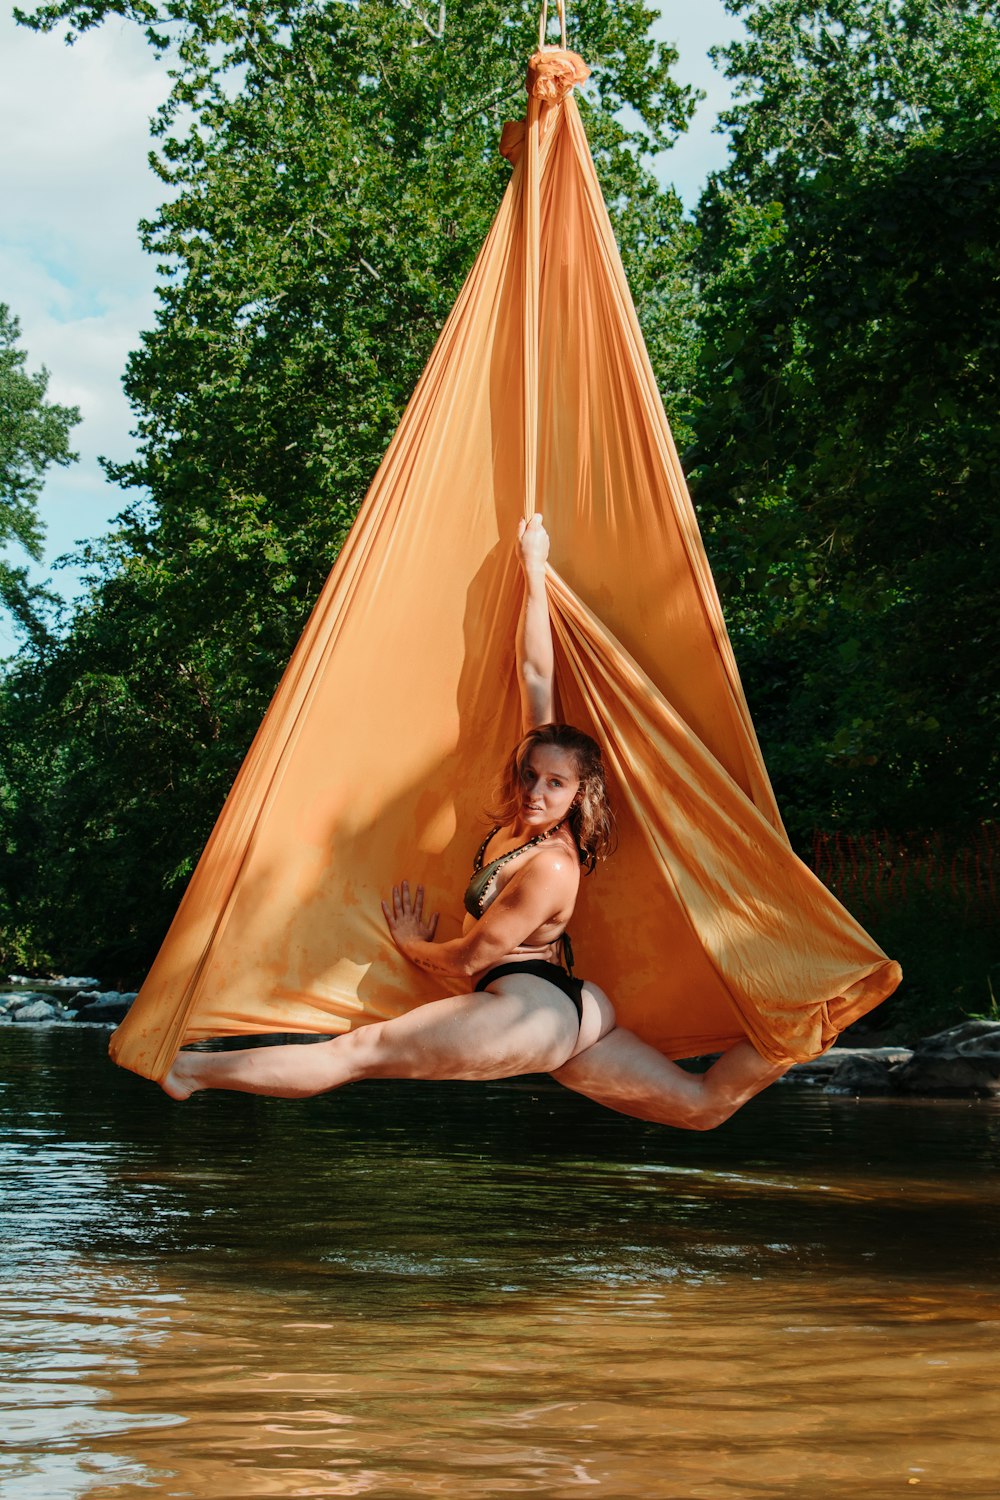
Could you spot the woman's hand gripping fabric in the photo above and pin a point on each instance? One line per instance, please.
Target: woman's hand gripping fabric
(532, 545)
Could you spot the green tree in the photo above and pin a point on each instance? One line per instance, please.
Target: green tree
(818, 83)
(332, 170)
(34, 434)
(847, 457)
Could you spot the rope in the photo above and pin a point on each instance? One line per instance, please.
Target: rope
(543, 22)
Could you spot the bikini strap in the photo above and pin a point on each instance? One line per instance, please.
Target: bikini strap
(478, 865)
(503, 859)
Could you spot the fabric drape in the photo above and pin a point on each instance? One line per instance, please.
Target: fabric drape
(377, 755)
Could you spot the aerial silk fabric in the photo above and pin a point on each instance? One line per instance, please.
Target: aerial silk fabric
(378, 754)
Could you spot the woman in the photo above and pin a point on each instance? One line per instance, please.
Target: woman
(525, 1012)
(531, 1017)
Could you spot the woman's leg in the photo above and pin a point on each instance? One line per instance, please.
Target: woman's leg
(628, 1075)
(521, 1025)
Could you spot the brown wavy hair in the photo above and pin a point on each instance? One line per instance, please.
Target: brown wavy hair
(591, 821)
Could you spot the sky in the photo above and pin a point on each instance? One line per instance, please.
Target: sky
(74, 183)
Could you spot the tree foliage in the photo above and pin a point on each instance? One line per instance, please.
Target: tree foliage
(34, 434)
(847, 459)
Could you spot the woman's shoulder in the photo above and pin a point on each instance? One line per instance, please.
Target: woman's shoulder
(556, 858)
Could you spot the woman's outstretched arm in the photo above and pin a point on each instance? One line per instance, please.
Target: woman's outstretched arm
(535, 665)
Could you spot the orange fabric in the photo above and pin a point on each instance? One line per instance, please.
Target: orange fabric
(399, 706)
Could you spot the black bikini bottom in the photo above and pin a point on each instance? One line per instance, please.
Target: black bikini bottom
(571, 988)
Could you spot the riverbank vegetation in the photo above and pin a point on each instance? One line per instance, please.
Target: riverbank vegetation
(826, 333)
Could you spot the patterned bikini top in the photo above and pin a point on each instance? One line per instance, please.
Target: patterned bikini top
(483, 877)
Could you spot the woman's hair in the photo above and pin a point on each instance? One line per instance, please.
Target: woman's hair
(590, 819)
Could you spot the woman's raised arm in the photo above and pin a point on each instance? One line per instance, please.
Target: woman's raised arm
(534, 633)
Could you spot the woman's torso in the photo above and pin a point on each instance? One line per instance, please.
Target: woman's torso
(546, 941)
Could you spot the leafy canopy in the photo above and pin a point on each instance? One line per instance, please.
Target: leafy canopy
(847, 458)
(34, 434)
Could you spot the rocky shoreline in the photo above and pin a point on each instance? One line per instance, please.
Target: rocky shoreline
(47, 1002)
(960, 1063)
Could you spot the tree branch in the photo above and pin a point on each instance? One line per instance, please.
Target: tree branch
(421, 16)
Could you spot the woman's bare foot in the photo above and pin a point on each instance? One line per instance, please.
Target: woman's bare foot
(182, 1080)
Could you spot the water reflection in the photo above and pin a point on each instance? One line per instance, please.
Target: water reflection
(433, 1290)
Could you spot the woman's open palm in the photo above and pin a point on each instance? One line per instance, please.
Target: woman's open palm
(406, 916)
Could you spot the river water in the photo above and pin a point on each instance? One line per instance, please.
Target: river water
(458, 1290)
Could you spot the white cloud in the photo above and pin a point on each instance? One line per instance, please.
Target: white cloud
(74, 120)
(74, 181)
(693, 29)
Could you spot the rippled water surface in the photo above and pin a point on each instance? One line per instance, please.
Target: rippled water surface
(467, 1290)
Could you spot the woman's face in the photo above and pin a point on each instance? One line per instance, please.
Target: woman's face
(549, 783)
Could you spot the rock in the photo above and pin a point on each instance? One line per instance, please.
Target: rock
(38, 1010)
(947, 1077)
(963, 1061)
(824, 1068)
(54, 981)
(860, 1075)
(981, 1051)
(968, 1036)
(11, 1003)
(105, 1005)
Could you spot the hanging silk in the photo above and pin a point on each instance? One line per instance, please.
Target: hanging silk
(377, 755)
